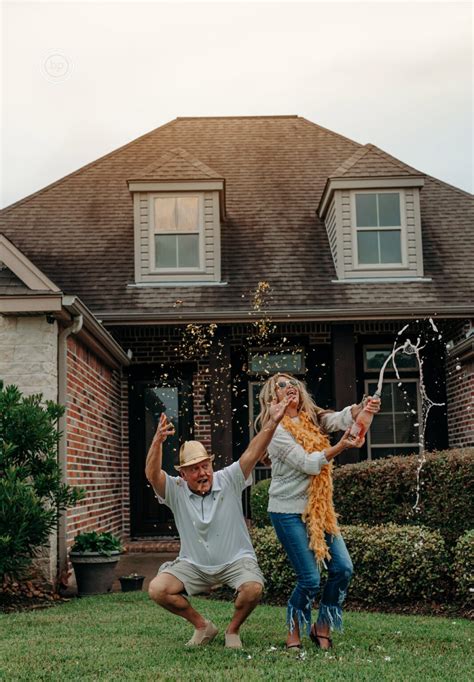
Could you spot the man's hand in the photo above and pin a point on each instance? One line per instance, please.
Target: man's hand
(163, 430)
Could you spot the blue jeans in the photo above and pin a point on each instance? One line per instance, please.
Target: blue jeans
(292, 533)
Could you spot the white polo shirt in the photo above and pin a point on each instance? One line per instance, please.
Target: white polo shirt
(212, 528)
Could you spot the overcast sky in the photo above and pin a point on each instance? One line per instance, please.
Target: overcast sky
(81, 79)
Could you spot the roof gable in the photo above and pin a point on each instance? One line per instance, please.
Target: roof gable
(178, 164)
(19, 272)
(370, 161)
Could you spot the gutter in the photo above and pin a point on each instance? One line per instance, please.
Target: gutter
(123, 318)
(73, 328)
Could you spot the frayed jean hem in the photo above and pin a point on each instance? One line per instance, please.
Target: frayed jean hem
(303, 618)
(330, 615)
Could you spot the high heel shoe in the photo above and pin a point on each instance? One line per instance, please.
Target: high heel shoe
(314, 637)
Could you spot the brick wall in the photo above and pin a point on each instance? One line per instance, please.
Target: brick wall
(97, 457)
(460, 392)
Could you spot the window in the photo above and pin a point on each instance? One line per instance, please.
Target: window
(177, 232)
(395, 429)
(269, 362)
(378, 228)
(375, 356)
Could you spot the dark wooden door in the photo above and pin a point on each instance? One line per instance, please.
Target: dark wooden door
(151, 392)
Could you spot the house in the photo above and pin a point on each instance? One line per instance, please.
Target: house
(182, 269)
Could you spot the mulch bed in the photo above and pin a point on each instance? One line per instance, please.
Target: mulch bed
(26, 596)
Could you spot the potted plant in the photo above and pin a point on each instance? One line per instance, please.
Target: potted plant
(132, 582)
(94, 557)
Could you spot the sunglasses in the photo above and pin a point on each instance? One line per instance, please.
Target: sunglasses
(283, 383)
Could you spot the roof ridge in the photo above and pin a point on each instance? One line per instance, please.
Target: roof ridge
(328, 130)
(195, 118)
(393, 159)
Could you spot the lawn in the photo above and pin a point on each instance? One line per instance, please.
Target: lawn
(126, 637)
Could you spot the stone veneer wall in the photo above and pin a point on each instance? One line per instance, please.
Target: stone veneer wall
(29, 359)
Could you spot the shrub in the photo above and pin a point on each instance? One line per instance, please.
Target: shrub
(100, 543)
(463, 568)
(392, 564)
(384, 491)
(31, 492)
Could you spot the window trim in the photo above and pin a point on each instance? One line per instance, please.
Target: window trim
(151, 233)
(394, 380)
(377, 267)
(383, 346)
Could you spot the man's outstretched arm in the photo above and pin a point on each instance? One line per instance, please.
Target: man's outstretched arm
(153, 470)
(259, 443)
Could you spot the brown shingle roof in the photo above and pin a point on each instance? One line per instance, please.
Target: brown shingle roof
(370, 162)
(178, 164)
(79, 231)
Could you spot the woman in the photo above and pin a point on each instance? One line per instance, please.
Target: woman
(300, 503)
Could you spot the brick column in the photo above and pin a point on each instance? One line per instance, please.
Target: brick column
(220, 395)
(344, 376)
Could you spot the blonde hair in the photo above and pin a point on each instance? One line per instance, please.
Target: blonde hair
(306, 404)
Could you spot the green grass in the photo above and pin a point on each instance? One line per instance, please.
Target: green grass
(126, 637)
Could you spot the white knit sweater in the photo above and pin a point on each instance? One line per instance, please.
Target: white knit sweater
(292, 466)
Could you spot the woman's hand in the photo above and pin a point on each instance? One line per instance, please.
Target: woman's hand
(347, 441)
(277, 410)
(164, 429)
(372, 405)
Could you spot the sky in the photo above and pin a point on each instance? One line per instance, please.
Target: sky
(80, 79)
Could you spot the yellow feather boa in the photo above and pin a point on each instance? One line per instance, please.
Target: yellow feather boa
(319, 514)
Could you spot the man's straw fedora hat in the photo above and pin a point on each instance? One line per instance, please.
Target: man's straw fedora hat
(192, 452)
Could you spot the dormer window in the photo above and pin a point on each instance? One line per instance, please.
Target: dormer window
(178, 205)
(378, 228)
(371, 209)
(177, 233)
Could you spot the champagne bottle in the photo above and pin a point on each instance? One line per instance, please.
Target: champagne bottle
(363, 420)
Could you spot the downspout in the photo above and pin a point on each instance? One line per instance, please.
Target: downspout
(73, 328)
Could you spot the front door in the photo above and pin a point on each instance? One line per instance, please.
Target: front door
(148, 398)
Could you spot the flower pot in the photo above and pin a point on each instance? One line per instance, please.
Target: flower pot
(131, 583)
(94, 572)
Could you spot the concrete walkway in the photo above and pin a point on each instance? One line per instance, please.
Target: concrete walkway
(146, 563)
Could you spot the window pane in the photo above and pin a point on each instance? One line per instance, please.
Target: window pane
(266, 363)
(188, 250)
(367, 246)
(405, 429)
(165, 214)
(378, 452)
(366, 210)
(390, 246)
(165, 251)
(405, 397)
(389, 210)
(188, 214)
(375, 358)
(381, 430)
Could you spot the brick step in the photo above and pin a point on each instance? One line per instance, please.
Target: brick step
(167, 546)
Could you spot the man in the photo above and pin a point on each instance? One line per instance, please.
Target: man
(215, 544)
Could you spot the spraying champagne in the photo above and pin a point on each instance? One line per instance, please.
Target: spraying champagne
(364, 419)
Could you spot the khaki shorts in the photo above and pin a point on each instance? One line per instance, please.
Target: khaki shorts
(195, 581)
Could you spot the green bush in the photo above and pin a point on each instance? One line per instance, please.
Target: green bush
(392, 564)
(100, 543)
(463, 568)
(32, 494)
(384, 491)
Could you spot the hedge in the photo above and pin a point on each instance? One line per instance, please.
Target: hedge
(384, 491)
(463, 568)
(392, 564)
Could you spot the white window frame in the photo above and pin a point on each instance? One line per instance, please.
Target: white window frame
(383, 346)
(416, 446)
(151, 234)
(402, 227)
